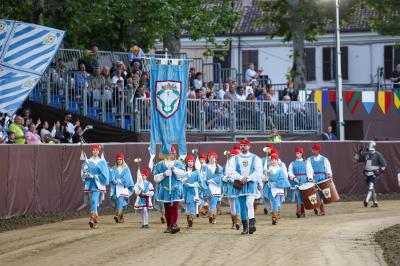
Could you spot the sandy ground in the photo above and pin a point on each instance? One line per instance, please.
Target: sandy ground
(343, 237)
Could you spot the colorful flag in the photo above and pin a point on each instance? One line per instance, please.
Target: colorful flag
(168, 83)
(332, 99)
(352, 99)
(368, 100)
(318, 99)
(325, 100)
(384, 100)
(26, 50)
(396, 97)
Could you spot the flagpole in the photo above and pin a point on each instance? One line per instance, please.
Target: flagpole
(339, 88)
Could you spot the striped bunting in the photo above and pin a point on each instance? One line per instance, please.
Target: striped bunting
(26, 50)
(352, 99)
(318, 99)
(384, 100)
(396, 98)
(368, 100)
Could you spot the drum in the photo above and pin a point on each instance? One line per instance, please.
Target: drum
(328, 191)
(309, 196)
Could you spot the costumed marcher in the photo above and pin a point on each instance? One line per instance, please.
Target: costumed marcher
(375, 164)
(121, 186)
(95, 175)
(191, 185)
(144, 191)
(299, 172)
(202, 207)
(322, 171)
(229, 191)
(265, 162)
(212, 185)
(169, 173)
(245, 169)
(276, 182)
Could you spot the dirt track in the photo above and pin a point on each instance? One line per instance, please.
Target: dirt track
(343, 237)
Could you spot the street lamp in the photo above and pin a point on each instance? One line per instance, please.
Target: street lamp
(339, 85)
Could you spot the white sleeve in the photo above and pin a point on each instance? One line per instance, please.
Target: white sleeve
(179, 173)
(258, 170)
(231, 169)
(150, 193)
(309, 170)
(328, 169)
(290, 171)
(137, 189)
(159, 177)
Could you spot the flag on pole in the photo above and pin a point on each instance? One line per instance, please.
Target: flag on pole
(384, 100)
(396, 98)
(368, 100)
(26, 50)
(325, 100)
(318, 99)
(168, 83)
(332, 99)
(352, 99)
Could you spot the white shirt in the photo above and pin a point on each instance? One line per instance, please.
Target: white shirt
(70, 128)
(249, 90)
(197, 83)
(245, 161)
(221, 94)
(241, 97)
(250, 74)
(327, 164)
(116, 78)
(309, 170)
(282, 164)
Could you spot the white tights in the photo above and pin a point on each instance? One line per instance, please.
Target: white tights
(144, 213)
(250, 206)
(232, 205)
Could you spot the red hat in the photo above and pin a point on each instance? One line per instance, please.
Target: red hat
(269, 146)
(202, 156)
(213, 154)
(173, 150)
(144, 171)
(275, 151)
(120, 156)
(234, 152)
(96, 147)
(190, 158)
(316, 147)
(274, 156)
(236, 147)
(244, 142)
(299, 150)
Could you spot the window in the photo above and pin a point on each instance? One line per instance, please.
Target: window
(249, 56)
(391, 59)
(309, 54)
(329, 63)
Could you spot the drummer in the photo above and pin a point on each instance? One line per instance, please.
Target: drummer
(322, 171)
(300, 172)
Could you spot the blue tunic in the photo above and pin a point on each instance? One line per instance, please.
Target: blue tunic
(228, 190)
(170, 188)
(189, 192)
(278, 180)
(319, 169)
(250, 188)
(126, 178)
(144, 198)
(215, 177)
(100, 169)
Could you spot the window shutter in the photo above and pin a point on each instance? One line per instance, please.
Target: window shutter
(345, 62)
(249, 56)
(326, 63)
(388, 60)
(310, 64)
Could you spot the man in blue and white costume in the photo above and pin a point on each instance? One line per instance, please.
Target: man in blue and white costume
(191, 185)
(300, 172)
(276, 182)
(229, 191)
(169, 174)
(213, 184)
(121, 186)
(95, 176)
(245, 169)
(322, 171)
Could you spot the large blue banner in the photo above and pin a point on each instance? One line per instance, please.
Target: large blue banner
(168, 83)
(26, 50)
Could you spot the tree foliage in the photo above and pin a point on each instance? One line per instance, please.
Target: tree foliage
(111, 24)
(385, 16)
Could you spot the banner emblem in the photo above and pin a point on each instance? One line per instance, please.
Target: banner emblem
(168, 97)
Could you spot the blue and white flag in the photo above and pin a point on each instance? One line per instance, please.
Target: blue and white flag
(26, 50)
(368, 100)
(168, 83)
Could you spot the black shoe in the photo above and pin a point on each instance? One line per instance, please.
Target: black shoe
(146, 226)
(374, 205)
(142, 226)
(197, 215)
(190, 223)
(252, 226)
(265, 211)
(315, 211)
(365, 204)
(245, 228)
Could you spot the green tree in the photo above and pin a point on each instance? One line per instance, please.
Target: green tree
(384, 16)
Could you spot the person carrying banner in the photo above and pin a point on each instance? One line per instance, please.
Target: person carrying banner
(95, 175)
(375, 164)
(299, 172)
(212, 185)
(322, 171)
(245, 169)
(169, 174)
(275, 183)
(191, 184)
(229, 191)
(144, 191)
(121, 186)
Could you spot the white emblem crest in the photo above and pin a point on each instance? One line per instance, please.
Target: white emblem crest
(327, 193)
(313, 199)
(168, 97)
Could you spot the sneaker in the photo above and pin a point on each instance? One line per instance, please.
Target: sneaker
(146, 226)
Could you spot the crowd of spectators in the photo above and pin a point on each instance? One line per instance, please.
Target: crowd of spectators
(22, 129)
